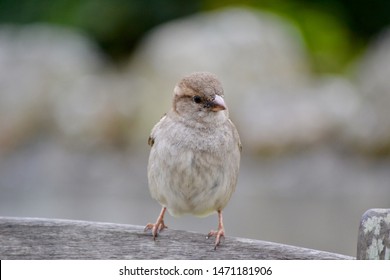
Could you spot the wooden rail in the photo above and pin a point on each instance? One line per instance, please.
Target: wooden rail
(32, 238)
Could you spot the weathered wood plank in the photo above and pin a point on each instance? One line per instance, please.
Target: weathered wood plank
(29, 238)
(374, 235)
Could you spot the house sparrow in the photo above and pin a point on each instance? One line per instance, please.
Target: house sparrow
(195, 153)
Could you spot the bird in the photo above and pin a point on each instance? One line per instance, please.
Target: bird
(195, 154)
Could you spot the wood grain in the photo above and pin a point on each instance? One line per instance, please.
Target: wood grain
(32, 238)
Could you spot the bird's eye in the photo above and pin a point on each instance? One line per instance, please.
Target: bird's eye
(197, 99)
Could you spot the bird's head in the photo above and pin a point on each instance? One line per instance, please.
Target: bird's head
(199, 96)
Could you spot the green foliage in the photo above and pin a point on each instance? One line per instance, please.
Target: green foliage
(117, 25)
(334, 30)
(330, 42)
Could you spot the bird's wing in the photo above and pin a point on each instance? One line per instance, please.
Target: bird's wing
(236, 135)
(152, 135)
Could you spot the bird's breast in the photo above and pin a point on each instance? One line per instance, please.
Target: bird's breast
(192, 171)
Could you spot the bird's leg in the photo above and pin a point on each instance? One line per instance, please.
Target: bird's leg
(220, 232)
(158, 226)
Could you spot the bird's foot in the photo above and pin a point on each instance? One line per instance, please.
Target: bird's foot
(158, 226)
(220, 233)
(155, 228)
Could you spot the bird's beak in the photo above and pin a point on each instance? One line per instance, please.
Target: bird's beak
(218, 104)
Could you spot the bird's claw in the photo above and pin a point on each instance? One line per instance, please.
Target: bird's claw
(218, 235)
(155, 228)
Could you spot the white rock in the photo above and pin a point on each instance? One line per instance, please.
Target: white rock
(262, 64)
(370, 126)
(279, 120)
(52, 77)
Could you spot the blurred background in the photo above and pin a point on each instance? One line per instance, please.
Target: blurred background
(82, 82)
